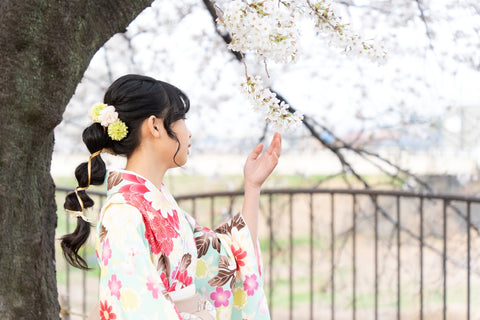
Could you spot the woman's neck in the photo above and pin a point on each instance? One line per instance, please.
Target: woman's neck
(147, 166)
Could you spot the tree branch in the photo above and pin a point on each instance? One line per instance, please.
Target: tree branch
(226, 37)
(427, 28)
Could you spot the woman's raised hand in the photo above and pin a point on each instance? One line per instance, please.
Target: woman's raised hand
(259, 167)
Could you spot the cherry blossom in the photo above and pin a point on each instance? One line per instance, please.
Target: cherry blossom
(265, 101)
(269, 29)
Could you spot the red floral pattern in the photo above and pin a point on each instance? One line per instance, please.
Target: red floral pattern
(106, 311)
(183, 277)
(159, 234)
(164, 278)
(159, 231)
(239, 255)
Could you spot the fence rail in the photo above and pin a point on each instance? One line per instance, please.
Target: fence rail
(351, 254)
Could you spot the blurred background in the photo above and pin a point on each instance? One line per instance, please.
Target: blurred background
(419, 111)
(410, 125)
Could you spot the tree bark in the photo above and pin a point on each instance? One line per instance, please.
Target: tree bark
(45, 46)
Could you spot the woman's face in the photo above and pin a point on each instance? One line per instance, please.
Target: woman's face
(180, 129)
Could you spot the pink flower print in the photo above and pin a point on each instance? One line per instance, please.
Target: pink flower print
(250, 284)
(153, 286)
(239, 256)
(220, 297)
(106, 252)
(115, 285)
(129, 266)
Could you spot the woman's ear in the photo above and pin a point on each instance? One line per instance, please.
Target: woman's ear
(154, 126)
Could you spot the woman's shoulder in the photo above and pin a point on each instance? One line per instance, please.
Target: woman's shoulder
(116, 208)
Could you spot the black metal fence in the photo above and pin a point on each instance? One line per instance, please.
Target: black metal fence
(345, 254)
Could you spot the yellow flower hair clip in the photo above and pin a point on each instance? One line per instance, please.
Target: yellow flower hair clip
(108, 118)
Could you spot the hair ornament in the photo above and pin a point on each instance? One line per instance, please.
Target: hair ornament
(80, 214)
(108, 118)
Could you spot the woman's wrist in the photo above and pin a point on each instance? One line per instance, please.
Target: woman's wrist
(252, 187)
(251, 206)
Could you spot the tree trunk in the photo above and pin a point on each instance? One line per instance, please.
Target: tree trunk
(45, 46)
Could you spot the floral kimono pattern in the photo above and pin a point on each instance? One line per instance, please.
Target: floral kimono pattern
(150, 252)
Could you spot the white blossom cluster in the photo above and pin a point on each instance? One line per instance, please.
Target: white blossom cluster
(265, 101)
(269, 28)
(263, 27)
(329, 24)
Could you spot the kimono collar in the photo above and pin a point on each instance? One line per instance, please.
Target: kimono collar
(143, 194)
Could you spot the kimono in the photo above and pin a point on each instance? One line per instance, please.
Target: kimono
(152, 254)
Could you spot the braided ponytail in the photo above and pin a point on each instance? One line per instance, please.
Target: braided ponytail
(87, 173)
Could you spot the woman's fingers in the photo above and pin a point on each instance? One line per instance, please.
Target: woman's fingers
(256, 152)
(273, 160)
(272, 151)
(276, 144)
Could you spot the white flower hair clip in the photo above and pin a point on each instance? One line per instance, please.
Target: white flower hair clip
(108, 118)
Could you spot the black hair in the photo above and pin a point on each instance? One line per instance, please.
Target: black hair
(135, 98)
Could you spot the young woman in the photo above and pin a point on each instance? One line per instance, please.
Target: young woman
(156, 262)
